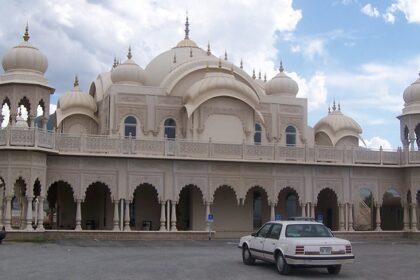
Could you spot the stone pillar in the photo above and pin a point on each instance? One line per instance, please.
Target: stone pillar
(207, 215)
(40, 226)
(378, 217)
(8, 214)
(78, 215)
(44, 123)
(162, 216)
(127, 216)
(406, 217)
(313, 206)
(116, 218)
(13, 119)
(303, 210)
(32, 121)
(341, 217)
(414, 217)
(29, 214)
(272, 212)
(173, 216)
(351, 217)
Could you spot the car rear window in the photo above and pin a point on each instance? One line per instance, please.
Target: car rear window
(307, 230)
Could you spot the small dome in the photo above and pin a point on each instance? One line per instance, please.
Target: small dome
(186, 43)
(128, 72)
(412, 92)
(25, 57)
(20, 122)
(76, 99)
(282, 85)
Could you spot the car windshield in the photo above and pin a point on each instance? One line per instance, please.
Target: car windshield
(307, 230)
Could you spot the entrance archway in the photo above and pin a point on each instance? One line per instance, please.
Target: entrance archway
(391, 211)
(19, 204)
(97, 209)
(288, 203)
(327, 206)
(190, 209)
(257, 201)
(145, 210)
(227, 214)
(364, 211)
(61, 212)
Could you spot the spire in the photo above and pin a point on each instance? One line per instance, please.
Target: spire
(329, 109)
(76, 82)
(220, 62)
(225, 55)
(339, 107)
(129, 56)
(281, 69)
(242, 64)
(26, 35)
(191, 53)
(115, 62)
(334, 107)
(208, 48)
(259, 75)
(265, 77)
(187, 27)
(253, 74)
(174, 57)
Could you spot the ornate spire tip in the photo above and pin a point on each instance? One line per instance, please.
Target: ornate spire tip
(76, 81)
(129, 55)
(187, 28)
(26, 35)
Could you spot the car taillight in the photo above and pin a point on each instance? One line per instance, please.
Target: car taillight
(348, 249)
(299, 250)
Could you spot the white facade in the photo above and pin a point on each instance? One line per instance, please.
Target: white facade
(191, 134)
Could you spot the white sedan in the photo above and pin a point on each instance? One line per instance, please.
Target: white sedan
(296, 243)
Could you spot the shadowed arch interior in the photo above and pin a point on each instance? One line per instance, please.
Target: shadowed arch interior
(288, 203)
(228, 215)
(256, 200)
(61, 211)
(327, 208)
(391, 210)
(191, 210)
(364, 210)
(145, 208)
(97, 208)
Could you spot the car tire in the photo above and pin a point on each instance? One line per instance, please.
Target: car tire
(247, 258)
(282, 267)
(334, 269)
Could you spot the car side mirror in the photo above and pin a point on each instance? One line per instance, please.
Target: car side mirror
(254, 234)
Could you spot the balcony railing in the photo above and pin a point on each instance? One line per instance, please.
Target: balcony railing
(14, 138)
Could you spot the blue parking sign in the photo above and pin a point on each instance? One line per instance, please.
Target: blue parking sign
(210, 218)
(320, 218)
(278, 217)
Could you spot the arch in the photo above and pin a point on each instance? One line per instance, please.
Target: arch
(284, 205)
(263, 188)
(417, 133)
(155, 180)
(19, 203)
(228, 215)
(130, 126)
(5, 112)
(259, 205)
(291, 135)
(62, 182)
(97, 209)
(323, 139)
(169, 127)
(145, 208)
(61, 211)
(364, 210)
(108, 181)
(392, 210)
(257, 134)
(191, 210)
(2, 199)
(327, 206)
(222, 186)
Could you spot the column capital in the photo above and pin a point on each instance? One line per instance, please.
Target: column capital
(79, 200)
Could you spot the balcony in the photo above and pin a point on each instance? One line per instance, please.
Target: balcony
(102, 145)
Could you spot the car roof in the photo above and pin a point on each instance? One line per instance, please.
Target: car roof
(295, 222)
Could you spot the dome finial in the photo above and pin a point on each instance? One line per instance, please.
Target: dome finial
(226, 55)
(76, 82)
(259, 75)
(208, 48)
(265, 77)
(187, 27)
(334, 107)
(339, 107)
(26, 35)
(129, 55)
(174, 57)
(242, 64)
(220, 62)
(329, 109)
(281, 69)
(115, 62)
(191, 52)
(253, 74)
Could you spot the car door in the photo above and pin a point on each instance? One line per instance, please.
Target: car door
(271, 241)
(257, 242)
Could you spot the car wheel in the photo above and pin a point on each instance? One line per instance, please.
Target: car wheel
(247, 258)
(282, 266)
(334, 269)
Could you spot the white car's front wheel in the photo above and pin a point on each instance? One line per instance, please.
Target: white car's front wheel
(281, 264)
(247, 258)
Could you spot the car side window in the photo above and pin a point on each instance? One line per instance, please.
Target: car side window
(264, 230)
(275, 231)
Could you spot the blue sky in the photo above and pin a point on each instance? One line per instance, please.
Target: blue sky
(362, 54)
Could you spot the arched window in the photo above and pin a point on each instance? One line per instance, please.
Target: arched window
(130, 126)
(290, 136)
(257, 210)
(291, 205)
(170, 129)
(257, 135)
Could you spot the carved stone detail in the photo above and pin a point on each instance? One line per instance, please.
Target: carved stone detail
(184, 180)
(136, 179)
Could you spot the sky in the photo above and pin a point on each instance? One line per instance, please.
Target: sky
(362, 54)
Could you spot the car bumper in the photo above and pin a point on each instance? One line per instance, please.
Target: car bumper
(319, 260)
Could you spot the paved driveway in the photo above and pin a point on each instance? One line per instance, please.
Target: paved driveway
(214, 259)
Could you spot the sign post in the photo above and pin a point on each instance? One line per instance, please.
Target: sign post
(210, 219)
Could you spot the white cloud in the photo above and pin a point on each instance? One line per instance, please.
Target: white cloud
(410, 8)
(314, 90)
(370, 10)
(314, 48)
(377, 142)
(389, 17)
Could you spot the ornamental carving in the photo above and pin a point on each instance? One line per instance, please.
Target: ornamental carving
(233, 182)
(170, 100)
(156, 180)
(110, 180)
(200, 182)
(163, 113)
(191, 166)
(335, 185)
(131, 98)
(357, 185)
(291, 109)
(292, 183)
(225, 167)
(206, 111)
(264, 183)
(72, 179)
(123, 111)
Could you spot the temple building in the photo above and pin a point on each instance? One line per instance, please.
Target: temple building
(160, 148)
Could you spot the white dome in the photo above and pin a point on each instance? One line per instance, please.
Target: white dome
(21, 123)
(412, 92)
(76, 99)
(128, 72)
(282, 85)
(25, 57)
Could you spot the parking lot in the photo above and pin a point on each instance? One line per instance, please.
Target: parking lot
(215, 259)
